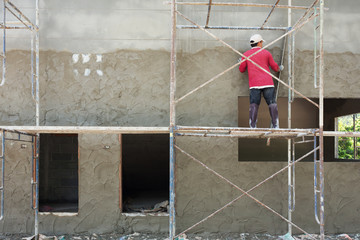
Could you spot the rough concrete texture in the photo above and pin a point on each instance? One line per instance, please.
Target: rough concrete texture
(119, 89)
(87, 78)
(131, 88)
(17, 203)
(99, 193)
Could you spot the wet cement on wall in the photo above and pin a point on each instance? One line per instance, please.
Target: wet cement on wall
(131, 88)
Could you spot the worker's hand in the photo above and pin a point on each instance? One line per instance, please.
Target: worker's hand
(281, 67)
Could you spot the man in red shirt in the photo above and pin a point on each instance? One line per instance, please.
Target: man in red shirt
(260, 81)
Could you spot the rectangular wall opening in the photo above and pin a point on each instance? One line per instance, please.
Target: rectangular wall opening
(339, 115)
(304, 115)
(145, 173)
(59, 185)
(347, 147)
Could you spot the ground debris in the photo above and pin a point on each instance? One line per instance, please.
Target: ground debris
(164, 236)
(41, 237)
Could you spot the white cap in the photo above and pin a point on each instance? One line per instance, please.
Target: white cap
(256, 38)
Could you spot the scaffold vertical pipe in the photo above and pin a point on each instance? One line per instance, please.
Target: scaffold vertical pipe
(2, 173)
(37, 64)
(172, 223)
(293, 65)
(37, 145)
(315, 49)
(37, 151)
(289, 122)
(172, 229)
(321, 120)
(4, 46)
(32, 64)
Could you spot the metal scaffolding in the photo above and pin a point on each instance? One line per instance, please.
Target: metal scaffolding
(314, 12)
(23, 22)
(311, 13)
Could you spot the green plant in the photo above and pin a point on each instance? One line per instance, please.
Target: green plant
(346, 144)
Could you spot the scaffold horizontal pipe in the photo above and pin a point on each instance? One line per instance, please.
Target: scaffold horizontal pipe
(9, 27)
(84, 129)
(240, 135)
(231, 4)
(231, 27)
(278, 130)
(339, 134)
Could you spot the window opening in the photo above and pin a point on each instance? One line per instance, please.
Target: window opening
(145, 173)
(59, 185)
(304, 115)
(347, 147)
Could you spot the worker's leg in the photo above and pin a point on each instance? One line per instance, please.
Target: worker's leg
(255, 98)
(269, 95)
(274, 115)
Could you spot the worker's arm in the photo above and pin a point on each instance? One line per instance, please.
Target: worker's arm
(243, 66)
(273, 64)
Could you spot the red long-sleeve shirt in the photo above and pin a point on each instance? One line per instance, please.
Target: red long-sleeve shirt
(257, 77)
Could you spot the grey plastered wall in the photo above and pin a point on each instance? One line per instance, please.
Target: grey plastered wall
(108, 65)
(209, 193)
(17, 187)
(98, 193)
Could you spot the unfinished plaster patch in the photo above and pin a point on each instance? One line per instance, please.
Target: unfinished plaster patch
(87, 72)
(75, 57)
(99, 72)
(98, 58)
(85, 58)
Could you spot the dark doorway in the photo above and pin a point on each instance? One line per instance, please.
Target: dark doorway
(304, 115)
(59, 185)
(145, 172)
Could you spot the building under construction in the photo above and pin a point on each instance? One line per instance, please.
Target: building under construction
(133, 116)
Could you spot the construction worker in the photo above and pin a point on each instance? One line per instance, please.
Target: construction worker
(260, 82)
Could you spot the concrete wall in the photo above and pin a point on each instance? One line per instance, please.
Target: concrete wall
(108, 65)
(96, 27)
